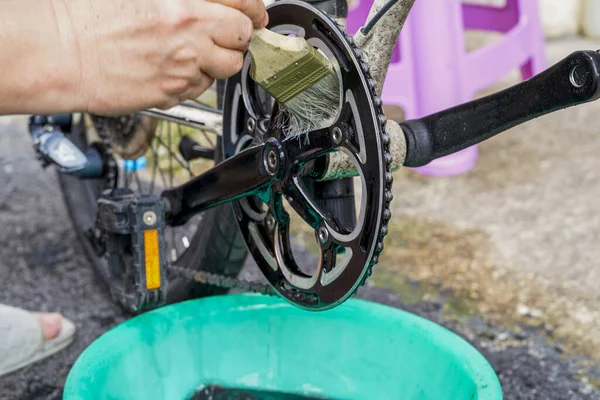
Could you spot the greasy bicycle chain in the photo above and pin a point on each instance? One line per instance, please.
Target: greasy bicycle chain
(387, 154)
(112, 170)
(222, 281)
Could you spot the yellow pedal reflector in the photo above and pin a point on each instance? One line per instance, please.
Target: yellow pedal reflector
(152, 259)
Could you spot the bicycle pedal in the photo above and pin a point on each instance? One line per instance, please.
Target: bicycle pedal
(133, 227)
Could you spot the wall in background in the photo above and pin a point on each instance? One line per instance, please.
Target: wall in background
(559, 17)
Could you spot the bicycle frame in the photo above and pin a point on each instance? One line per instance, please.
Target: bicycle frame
(192, 115)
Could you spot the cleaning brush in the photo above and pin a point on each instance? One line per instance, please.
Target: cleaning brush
(301, 78)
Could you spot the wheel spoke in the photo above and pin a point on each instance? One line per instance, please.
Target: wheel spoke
(171, 177)
(187, 164)
(154, 166)
(208, 139)
(174, 156)
(138, 181)
(157, 161)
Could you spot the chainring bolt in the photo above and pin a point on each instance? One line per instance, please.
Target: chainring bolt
(272, 162)
(251, 125)
(323, 235)
(337, 135)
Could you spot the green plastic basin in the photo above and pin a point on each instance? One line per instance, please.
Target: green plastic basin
(359, 350)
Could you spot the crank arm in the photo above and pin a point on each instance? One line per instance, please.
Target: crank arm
(245, 174)
(572, 81)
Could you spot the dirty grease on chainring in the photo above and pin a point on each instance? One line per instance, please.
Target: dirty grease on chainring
(214, 392)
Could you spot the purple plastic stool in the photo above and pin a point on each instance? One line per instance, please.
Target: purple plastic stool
(431, 69)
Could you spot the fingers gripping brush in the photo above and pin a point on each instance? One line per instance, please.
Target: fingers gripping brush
(299, 77)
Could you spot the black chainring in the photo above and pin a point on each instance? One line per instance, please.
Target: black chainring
(347, 254)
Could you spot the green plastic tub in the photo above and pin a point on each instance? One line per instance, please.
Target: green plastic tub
(359, 350)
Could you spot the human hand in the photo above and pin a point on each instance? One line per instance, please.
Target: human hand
(138, 54)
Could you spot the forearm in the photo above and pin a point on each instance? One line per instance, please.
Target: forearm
(39, 60)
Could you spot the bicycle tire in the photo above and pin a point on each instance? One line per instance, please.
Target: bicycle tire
(216, 246)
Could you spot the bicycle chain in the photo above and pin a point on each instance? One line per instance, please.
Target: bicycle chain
(387, 155)
(255, 287)
(222, 281)
(112, 173)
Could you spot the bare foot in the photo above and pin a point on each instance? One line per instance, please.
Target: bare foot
(50, 324)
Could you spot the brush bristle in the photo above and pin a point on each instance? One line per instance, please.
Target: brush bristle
(315, 108)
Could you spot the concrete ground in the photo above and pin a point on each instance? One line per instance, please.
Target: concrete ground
(523, 226)
(504, 255)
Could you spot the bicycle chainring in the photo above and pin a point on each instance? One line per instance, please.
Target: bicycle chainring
(347, 254)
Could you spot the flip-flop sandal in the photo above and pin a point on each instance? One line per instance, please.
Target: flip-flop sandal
(22, 341)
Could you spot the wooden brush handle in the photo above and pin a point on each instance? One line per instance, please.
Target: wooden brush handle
(272, 52)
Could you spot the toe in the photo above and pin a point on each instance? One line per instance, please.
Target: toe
(50, 324)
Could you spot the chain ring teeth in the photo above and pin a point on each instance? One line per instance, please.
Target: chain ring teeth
(387, 157)
(363, 66)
